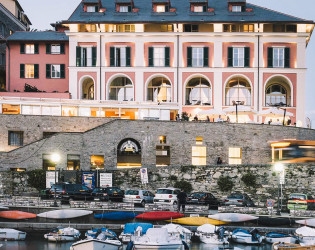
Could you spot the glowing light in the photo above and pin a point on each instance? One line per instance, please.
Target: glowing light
(279, 167)
(280, 144)
(55, 158)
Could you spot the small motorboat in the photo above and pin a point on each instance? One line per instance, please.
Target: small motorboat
(208, 234)
(97, 239)
(279, 237)
(306, 235)
(16, 215)
(245, 237)
(180, 231)
(157, 238)
(134, 229)
(289, 246)
(308, 222)
(11, 234)
(61, 234)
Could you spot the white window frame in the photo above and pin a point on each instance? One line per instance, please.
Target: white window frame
(29, 71)
(29, 49)
(236, 8)
(123, 8)
(55, 71)
(160, 8)
(197, 56)
(55, 49)
(239, 57)
(159, 56)
(198, 8)
(278, 57)
(90, 8)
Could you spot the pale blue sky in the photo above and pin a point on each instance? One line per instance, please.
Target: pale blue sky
(44, 12)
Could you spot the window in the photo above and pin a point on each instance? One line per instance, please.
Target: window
(238, 57)
(55, 71)
(92, 8)
(236, 8)
(238, 28)
(198, 8)
(48, 164)
(163, 156)
(198, 92)
(167, 28)
(235, 156)
(159, 57)
(276, 95)
(87, 28)
(29, 49)
(120, 56)
(73, 162)
(55, 49)
(97, 162)
(15, 138)
(199, 140)
(86, 56)
(237, 89)
(278, 57)
(123, 9)
(121, 89)
(160, 90)
(199, 156)
(248, 27)
(197, 57)
(160, 8)
(29, 70)
(191, 27)
(162, 139)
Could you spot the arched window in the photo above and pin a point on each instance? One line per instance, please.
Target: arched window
(160, 90)
(198, 92)
(238, 89)
(121, 89)
(88, 89)
(128, 153)
(277, 92)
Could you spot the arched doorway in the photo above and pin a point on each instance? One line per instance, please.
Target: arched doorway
(129, 154)
(238, 89)
(278, 92)
(88, 89)
(159, 90)
(198, 92)
(121, 89)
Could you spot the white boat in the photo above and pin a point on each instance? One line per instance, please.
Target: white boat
(11, 234)
(61, 234)
(208, 234)
(98, 239)
(180, 231)
(232, 217)
(64, 214)
(244, 237)
(308, 222)
(157, 238)
(306, 235)
(134, 229)
(279, 237)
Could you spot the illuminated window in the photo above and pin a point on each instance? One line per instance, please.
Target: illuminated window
(236, 8)
(198, 8)
(162, 139)
(160, 8)
(235, 156)
(15, 138)
(97, 161)
(199, 156)
(248, 27)
(73, 162)
(124, 28)
(29, 70)
(69, 111)
(47, 162)
(163, 156)
(199, 140)
(167, 28)
(10, 109)
(29, 49)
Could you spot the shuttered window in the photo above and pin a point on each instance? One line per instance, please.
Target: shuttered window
(159, 56)
(86, 56)
(238, 57)
(120, 56)
(197, 56)
(15, 138)
(279, 57)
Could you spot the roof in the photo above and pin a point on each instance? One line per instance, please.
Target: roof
(182, 14)
(38, 36)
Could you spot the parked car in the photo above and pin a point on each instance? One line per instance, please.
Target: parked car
(67, 192)
(202, 198)
(166, 196)
(240, 200)
(138, 196)
(108, 193)
(45, 194)
(298, 201)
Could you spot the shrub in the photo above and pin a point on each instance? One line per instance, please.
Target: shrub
(249, 179)
(184, 185)
(172, 178)
(225, 183)
(37, 179)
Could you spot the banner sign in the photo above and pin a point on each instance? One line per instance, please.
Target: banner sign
(50, 178)
(106, 180)
(88, 179)
(144, 175)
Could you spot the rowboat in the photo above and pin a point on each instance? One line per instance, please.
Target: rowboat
(16, 215)
(198, 221)
(64, 214)
(180, 231)
(232, 217)
(209, 235)
(159, 215)
(245, 237)
(288, 246)
(116, 216)
(61, 234)
(134, 229)
(11, 234)
(279, 237)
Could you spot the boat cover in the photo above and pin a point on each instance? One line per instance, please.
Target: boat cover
(306, 231)
(206, 228)
(276, 235)
(130, 228)
(116, 216)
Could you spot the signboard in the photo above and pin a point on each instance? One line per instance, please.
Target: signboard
(88, 179)
(50, 178)
(106, 179)
(270, 203)
(144, 175)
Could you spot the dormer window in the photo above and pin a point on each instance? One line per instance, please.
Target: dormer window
(236, 8)
(92, 8)
(125, 8)
(198, 8)
(160, 8)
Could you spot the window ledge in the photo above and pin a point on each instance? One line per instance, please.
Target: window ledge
(125, 13)
(201, 13)
(241, 14)
(163, 13)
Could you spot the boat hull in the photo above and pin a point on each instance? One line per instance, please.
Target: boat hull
(198, 221)
(272, 240)
(95, 244)
(12, 235)
(211, 239)
(64, 214)
(159, 215)
(246, 240)
(60, 238)
(16, 215)
(158, 247)
(288, 246)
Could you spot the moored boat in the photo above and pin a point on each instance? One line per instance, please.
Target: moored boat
(134, 229)
(290, 246)
(308, 222)
(180, 231)
(61, 234)
(232, 217)
(16, 215)
(306, 235)
(279, 237)
(64, 214)
(159, 215)
(245, 237)
(208, 234)
(11, 234)
(198, 221)
(116, 216)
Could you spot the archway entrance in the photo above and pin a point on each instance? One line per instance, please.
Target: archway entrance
(129, 154)
(88, 89)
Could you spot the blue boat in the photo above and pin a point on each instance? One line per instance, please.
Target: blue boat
(116, 216)
(279, 237)
(245, 237)
(132, 229)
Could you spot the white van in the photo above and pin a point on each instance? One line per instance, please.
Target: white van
(166, 196)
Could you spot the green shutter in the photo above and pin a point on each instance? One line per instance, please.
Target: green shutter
(62, 71)
(247, 57)
(243, 8)
(151, 56)
(167, 8)
(287, 58)
(48, 48)
(128, 56)
(78, 56)
(112, 56)
(22, 70)
(270, 57)
(206, 56)
(48, 70)
(189, 56)
(230, 57)
(62, 48)
(94, 56)
(167, 56)
(97, 9)
(205, 8)
(22, 48)
(36, 48)
(36, 71)
(129, 8)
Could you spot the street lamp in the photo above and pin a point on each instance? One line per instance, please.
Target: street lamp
(236, 104)
(279, 168)
(55, 158)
